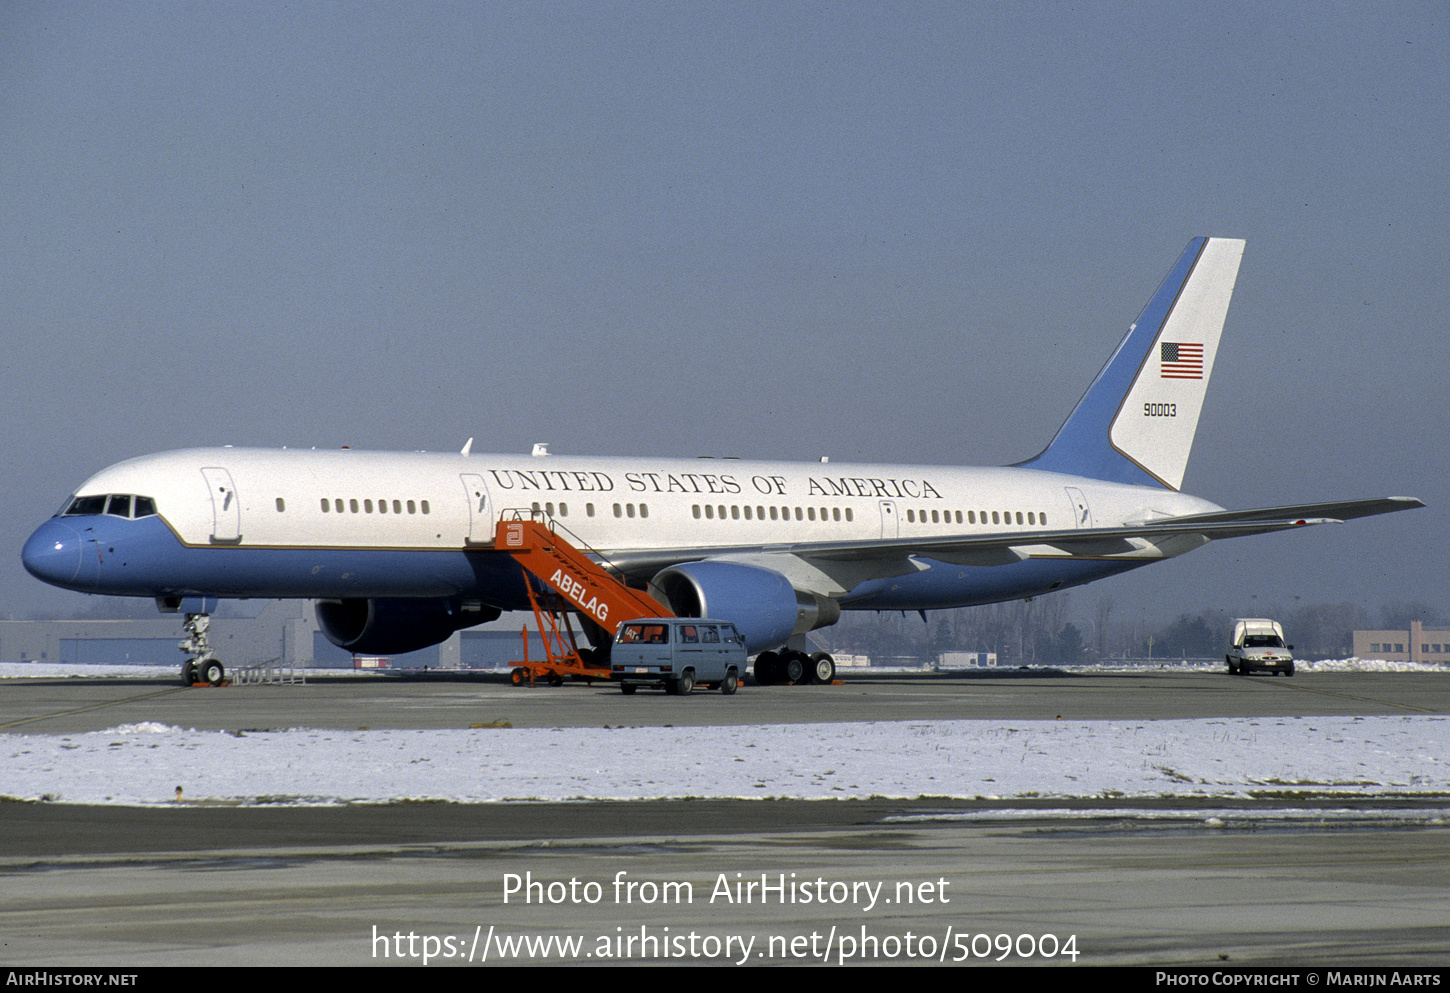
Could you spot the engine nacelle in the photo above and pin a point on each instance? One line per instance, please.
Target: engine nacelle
(392, 627)
(760, 602)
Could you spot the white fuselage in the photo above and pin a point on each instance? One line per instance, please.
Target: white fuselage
(361, 500)
(236, 522)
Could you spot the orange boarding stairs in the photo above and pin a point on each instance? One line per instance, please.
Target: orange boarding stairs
(581, 582)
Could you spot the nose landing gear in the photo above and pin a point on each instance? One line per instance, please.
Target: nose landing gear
(200, 665)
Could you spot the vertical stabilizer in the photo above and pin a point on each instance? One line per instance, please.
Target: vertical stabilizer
(1136, 422)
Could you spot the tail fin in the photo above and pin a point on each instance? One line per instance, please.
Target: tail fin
(1135, 423)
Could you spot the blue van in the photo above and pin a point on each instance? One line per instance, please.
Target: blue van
(678, 653)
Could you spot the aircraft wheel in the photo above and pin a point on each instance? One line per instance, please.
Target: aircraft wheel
(823, 668)
(211, 671)
(765, 669)
(188, 673)
(730, 683)
(794, 667)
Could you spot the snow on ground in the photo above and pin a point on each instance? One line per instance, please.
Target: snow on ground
(145, 763)
(1289, 757)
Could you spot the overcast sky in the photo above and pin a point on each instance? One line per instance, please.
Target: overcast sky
(878, 232)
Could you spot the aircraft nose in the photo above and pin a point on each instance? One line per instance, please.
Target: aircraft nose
(53, 553)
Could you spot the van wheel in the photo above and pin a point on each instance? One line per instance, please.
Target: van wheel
(627, 688)
(730, 683)
(685, 685)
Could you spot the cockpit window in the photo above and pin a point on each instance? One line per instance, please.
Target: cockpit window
(86, 506)
(114, 504)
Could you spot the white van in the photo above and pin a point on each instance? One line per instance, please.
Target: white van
(1258, 643)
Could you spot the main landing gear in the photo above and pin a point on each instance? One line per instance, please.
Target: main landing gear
(794, 667)
(200, 665)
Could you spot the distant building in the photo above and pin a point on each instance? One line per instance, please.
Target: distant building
(966, 660)
(1414, 645)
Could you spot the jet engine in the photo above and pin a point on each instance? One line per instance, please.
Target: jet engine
(392, 627)
(760, 602)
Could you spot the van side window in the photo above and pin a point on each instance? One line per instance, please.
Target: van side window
(644, 634)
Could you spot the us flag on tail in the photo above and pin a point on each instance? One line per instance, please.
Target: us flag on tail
(1180, 360)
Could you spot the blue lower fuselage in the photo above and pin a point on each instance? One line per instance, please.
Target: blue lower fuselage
(144, 558)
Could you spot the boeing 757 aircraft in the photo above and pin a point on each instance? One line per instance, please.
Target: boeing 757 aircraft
(397, 548)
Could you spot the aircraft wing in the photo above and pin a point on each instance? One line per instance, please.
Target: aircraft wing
(854, 561)
(1344, 510)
